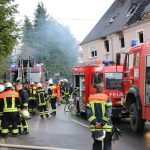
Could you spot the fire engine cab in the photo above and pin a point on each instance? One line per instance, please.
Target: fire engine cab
(136, 84)
(27, 70)
(85, 78)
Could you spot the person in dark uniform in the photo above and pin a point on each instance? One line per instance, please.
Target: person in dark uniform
(23, 105)
(9, 102)
(42, 101)
(98, 112)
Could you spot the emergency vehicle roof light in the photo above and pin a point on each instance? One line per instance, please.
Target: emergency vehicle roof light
(134, 43)
(106, 62)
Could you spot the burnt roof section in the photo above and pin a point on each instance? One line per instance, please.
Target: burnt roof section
(121, 14)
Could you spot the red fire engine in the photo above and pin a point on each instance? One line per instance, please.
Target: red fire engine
(27, 70)
(86, 77)
(136, 85)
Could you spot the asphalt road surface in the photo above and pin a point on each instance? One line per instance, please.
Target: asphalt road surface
(66, 132)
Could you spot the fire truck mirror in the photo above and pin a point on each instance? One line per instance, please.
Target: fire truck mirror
(118, 58)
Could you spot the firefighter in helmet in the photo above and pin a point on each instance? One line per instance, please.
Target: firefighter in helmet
(22, 122)
(98, 112)
(42, 101)
(9, 101)
(52, 93)
(32, 103)
(2, 88)
(66, 90)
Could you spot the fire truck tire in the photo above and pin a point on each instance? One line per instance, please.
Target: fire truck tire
(136, 122)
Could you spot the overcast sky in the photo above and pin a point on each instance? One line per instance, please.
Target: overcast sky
(79, 15)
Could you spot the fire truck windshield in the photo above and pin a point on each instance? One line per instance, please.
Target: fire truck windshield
(35, 77)
(113, 80)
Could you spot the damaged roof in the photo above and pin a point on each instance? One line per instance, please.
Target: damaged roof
(121, 14)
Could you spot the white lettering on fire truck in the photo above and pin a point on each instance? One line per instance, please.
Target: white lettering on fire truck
(116, 94)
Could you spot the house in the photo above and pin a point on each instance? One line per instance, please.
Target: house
(124, 21)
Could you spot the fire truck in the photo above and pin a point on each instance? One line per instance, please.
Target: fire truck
(136, 84)
(27, 70)
(85, 78)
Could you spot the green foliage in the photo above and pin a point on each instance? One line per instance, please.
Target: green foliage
(50, 42)
(8, 28)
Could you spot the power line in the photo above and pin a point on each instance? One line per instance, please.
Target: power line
(70, 19)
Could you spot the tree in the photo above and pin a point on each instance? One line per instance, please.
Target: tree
(8, 28)
(27, 38)
(51, 43)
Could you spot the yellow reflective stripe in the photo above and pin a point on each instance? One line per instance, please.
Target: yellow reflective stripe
(91, 118)
(109, 104)
(15, 131)
(25, 104)
(13, 102)
(5, 103)
(26, 127)
(53, 110)
(5, 131)
(107, 127)
(96, 101)
(10, 110)
(93, 109)
(106, 118)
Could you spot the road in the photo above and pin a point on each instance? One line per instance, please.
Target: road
(66, 132)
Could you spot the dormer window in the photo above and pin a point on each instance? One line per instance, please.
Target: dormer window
(132, 9)
(112, 19)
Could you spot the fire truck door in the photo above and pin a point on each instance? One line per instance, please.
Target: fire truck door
(128, 74)
(147, 82)
(147, 88)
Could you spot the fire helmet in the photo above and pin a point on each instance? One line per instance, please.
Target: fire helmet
(8, 85)
(25, 114)
(39, 85)
(32, 83)
(2, 88)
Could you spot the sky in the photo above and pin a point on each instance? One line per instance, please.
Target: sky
(79, 15)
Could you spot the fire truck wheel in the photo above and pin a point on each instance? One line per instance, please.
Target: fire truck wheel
(136, 122)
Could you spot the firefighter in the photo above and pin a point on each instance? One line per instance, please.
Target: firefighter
(98, 112)
(32, 103)
(52, 92)
(22, 122)
(2, 88)
(9, 101)
(66, 90)
(42, 101)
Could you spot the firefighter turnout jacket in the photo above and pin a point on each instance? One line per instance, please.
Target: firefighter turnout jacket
(99, 110)
(41, 97)
(52, 91)
(32, 93)
(24, 99)
(9, 101)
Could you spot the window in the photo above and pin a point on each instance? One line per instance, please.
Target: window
(141, 37)
(98, 78)
(129, 61)
(136, 64)
(93, 54)
(132, 9)
(106, 44)
(113, 81)
(93, 51)
(122, 42)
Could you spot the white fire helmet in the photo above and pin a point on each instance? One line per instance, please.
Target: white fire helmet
(50, 81)
(32, 83)
(39, 85)
(8, 85)
(2, 88)
(25, 114)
